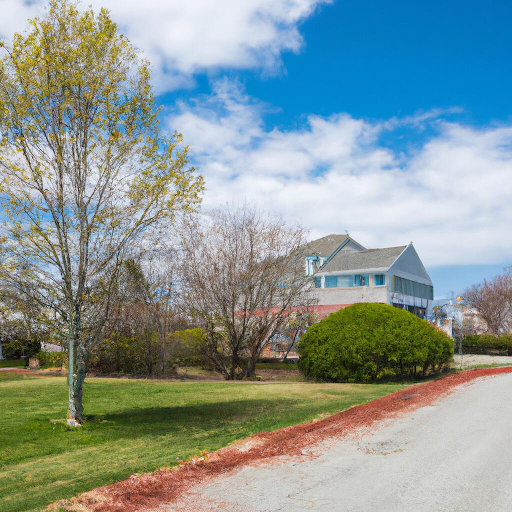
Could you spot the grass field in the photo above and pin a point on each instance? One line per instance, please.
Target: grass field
(137, 426)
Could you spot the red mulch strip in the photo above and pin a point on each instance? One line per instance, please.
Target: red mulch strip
(166, 486)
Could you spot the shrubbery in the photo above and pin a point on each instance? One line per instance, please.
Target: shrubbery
(20, 347)
(146, 354)
(367, 342)
(53, 359)
(483, 343)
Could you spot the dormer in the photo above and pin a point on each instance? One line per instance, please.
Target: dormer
(318, 252)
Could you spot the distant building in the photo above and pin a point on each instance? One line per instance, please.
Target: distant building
(344, 273)
(51, 347)
(352, 274)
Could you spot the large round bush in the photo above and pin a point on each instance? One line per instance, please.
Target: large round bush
(366, 342)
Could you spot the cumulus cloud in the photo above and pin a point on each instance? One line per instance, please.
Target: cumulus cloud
(185, 37)
(451, 195)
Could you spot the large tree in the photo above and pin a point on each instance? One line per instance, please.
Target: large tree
(84, 170)
(243, 278)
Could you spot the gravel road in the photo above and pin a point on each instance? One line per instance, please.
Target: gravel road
(453, 456)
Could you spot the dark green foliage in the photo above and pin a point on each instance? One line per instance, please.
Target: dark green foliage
(483, 343)
(19, 347)
(127, 355)
(52, 359)
(367, 342)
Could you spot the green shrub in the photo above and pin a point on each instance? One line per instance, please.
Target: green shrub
(483, 343)
(20, 348)
(135, 354)
(52, 359)
(368, 342)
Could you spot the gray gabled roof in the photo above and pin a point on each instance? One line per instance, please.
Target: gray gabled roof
(324, 246)
(363, 260)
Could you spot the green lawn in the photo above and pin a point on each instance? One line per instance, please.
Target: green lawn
(137, 426)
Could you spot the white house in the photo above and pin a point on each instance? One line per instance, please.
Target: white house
(345, 273)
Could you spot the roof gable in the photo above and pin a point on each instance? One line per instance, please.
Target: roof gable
(328, 246)
(409, 262)
(324, 246)
(363, 260)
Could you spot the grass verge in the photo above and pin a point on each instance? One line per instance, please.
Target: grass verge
(139, 426)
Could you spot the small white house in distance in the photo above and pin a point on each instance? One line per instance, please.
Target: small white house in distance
(351, 274)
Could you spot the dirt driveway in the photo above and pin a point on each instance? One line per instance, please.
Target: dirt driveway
(454, 455)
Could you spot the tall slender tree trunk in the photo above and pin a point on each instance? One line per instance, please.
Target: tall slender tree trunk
(78, 362)
(81, 371)
(71, 416)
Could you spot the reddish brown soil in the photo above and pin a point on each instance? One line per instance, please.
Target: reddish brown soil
(166, 486)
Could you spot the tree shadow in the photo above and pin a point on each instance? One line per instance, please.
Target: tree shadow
(196, 419)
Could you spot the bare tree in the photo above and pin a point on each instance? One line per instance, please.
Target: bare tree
(493, 301)
(242, 277)
(145, 307)
(84, 170)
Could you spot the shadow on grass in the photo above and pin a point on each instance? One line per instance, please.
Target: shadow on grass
(196, 418)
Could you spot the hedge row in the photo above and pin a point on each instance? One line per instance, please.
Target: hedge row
(368, 342)
(483, 343)
(53, 359)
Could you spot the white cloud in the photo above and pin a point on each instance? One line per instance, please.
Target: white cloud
(452, 196)
(184, 37)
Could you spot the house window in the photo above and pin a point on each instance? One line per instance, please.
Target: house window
(345, 281)
(413, 288)
(331, 281)
(318, 282)
(361, 280)
(380, 279)
(313, 263)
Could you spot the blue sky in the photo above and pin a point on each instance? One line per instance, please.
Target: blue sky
(376, 59)
(391, 120)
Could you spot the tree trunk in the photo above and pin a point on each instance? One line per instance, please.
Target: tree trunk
(71, 416)
(234, 365)
(75, 416)
(251, 367)
(291, 345)
(81, 370)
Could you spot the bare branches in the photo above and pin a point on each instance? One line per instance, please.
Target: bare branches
(493, 301)
(242, 279)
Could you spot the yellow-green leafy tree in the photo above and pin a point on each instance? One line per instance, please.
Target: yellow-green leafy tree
(84, 170)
